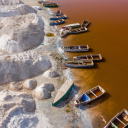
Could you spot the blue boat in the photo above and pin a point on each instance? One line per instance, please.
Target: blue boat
(57, 22)
(90, 95)
(58, 17)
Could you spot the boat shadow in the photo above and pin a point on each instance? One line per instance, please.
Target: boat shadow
(96, 102)
(69, 97)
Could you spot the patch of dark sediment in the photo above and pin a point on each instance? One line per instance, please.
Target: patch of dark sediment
(22, 66)
(25, 32)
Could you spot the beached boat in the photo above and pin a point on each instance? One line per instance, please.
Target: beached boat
(65, 31)
(57, 22)
(50, 5)
(94, 57)
(44, 2)
(90, 95)
(119, 121)
(78, 30)
(59, 13)
(58, 17)
(79, 64)
(63, 92)
(75, 25)
(85, 23)
(77, 48)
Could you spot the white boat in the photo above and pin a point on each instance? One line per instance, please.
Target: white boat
(75, 25)
(63, 92)
(90, 95)
(119, 121)
(65, 31)
(77, 48)
(79, 64)
(94, 57)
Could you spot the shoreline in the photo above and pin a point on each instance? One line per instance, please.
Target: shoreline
(47, 115)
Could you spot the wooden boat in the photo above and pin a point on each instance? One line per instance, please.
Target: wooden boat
(59, 13)
(94, 57)
(75, 25)
(57, 22)
(63, 92)
(85, 23)
(90, 95)
(58, 17)
(119, 121)
(65, 31)
(50, 5)
(79, 64)
(77, 48)
(78, 30)
(44, 2)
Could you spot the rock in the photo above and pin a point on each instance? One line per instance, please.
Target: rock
(30, 84)
(10, 46)
(22, 66)
(26, 30)
(15, 86)
(28, 105)
(48, 86)
(51, 74)
(42, 93)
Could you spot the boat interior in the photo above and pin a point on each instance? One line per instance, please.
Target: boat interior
(120, 120)
(77, 47)
(93, 93)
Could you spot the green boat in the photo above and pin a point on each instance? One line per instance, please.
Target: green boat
(50, 5)
(63, 92)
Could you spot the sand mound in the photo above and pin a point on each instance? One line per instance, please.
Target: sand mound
(10, 46)
(30, 84)
(42, 93)
(13, 10)
(15, 86)
(7, 2)
(22, 66)
(25, 30)
(48, 86)
(51, 74)
(17, 110)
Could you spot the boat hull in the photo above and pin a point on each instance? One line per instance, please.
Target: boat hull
(77, 32)
(78, 66)
(86, 50)
(54, 104)
(57, 23)
(52, 18)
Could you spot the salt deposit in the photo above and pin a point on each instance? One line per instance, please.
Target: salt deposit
(19, 9)
(27, 30)
(7, 2)
(30, 84)
(51, 74)
(48, 86)
(14, 106)
(22, 66)
(10, 46)
(42, 93)
(15, 86)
